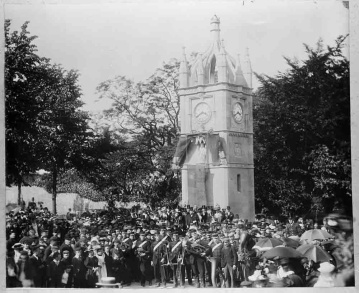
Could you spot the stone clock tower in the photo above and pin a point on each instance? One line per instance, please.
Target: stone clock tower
(215, 149)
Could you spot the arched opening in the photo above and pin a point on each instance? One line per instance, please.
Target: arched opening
(213, 74)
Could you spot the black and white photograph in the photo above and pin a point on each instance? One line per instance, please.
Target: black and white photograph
(178, 144)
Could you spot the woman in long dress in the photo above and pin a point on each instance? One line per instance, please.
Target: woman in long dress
(102, 272)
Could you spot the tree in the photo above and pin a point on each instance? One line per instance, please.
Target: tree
(62, 125)
(302, 133)
(146, 115)
(23, 79)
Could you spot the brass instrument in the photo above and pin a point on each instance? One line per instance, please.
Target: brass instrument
(183, 252)
(167, 254)
(214, 264)
(125, 245)
(197, 248)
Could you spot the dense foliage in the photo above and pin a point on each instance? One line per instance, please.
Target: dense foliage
(302, 135)
(143, 122)
(45, 127)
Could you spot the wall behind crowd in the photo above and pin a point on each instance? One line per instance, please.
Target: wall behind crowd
(64, 200)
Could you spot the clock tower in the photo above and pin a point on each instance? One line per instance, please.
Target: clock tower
(215, 148)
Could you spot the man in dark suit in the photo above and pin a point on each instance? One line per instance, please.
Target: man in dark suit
(175, 252)
(228, 215)
(214, 251)
(228, 261)
(38, 267)
(143, 253)
(158, 260)
(193, 218)
(54, 271)
(292, 229)
(186, 219)
(201, 260)
(79, 269)
(203, 215)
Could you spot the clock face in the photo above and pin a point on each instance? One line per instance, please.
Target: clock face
(237, 112)
(202, 112)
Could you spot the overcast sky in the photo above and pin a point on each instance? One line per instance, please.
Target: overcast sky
(133, 39)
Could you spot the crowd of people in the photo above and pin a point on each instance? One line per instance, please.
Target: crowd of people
(163, 247)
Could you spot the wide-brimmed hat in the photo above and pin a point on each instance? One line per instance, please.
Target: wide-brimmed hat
(108, 282)
(326, 267)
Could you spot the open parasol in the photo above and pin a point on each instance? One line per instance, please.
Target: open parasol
(282, 252)
(11, 206)
(314, 253)
(315, 234)
(267, 244)
(289, 242)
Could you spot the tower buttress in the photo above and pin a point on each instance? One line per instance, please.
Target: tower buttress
(240, 80)
(248, 69)
(183, 71)
(200, 71)
(222, 65)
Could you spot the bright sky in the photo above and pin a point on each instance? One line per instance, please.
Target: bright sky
(134, 38)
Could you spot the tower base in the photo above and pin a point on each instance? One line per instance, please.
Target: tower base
(219, 186)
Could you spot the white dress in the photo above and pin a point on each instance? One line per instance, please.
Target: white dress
(102, 273)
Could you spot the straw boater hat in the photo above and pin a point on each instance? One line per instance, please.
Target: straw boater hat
(326, 268)
(109, 282)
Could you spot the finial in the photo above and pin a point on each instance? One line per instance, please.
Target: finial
(215, 18)
(238, 60)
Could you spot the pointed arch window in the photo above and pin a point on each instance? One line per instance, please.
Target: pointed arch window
(213, 73)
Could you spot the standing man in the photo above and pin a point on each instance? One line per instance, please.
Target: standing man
(201, 261)
(214, 251)
(54, 271)
(143, 253)
(228, 261)
(175, 251)
(158, 259)
(292, 229)
(38, 267)
(79, 269)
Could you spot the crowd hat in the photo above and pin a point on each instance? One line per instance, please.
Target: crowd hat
(326, 267)
(109, 282)
(17, 246)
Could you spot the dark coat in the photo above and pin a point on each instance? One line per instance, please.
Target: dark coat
(27, 269)
(159, 253)
(293, 229)
(63, 264)
(54, 274)
(187, 220)
(91, 277)
(79, 270)
(228, 256)
(145, 255)
(39, 269)
(216, 252)
(204, 217)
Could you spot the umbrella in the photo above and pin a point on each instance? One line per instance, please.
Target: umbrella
(16, 210)
(289, 242)
(315, 234)
(11, 206)
(314, 253)
(282, 252)
(267, 243)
